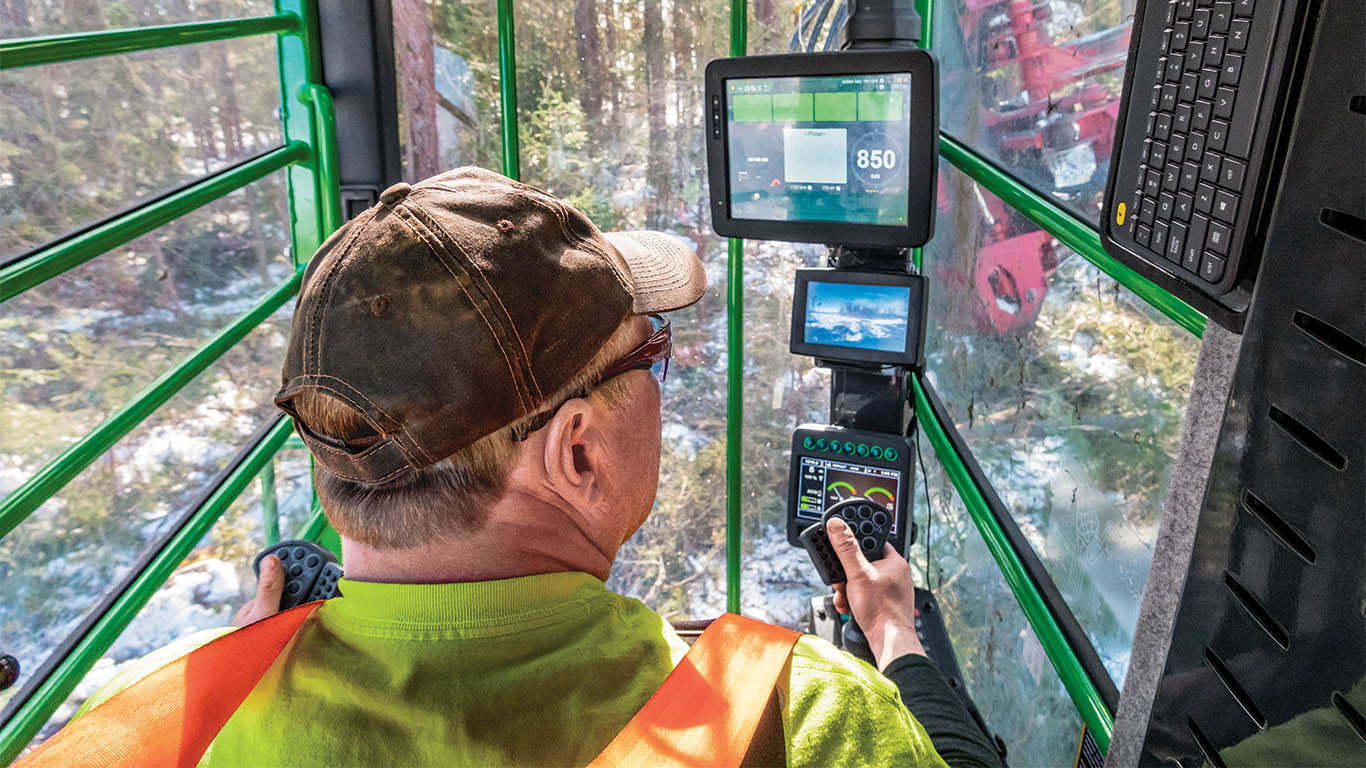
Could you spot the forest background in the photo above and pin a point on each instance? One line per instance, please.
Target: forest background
(1074, 412)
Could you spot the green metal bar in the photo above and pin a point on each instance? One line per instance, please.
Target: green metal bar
(926, 10)
(317, 521)
(270, 505)
(300, 65)
(50, 49)
(20, 729)
(52, 478)
(324, 115)
(735, 360)
(1070, 230)
(60, 257)
(1084, 694)
(507, 89)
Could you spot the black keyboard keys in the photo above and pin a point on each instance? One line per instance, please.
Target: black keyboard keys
(1152, 183)
(1176, 240)
(1204, 198)
(1177, 149)
(1231, 71)
(1217, 238)
(1214, 51)
(1212, 267)
(1200, 26)
(1221, 17)
(1223, 101)
(1218, 135)
(1195, 243)
(1232, 174)
(1190, 175)
(1209, 167)
(1237, 34)
(1201, 114)
(1185, 204)
(1181, 123)
(1225, 205)
(1166, 205)
(1171, 177)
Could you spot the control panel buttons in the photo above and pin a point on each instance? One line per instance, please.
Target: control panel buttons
(862, 449)
(808, 442)
(848, 447)
(889, 453)
(821, 444)
(875, 451)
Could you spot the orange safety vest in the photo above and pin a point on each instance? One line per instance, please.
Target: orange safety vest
(704, 714)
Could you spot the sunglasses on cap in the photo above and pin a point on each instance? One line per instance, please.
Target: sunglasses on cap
(652, 355)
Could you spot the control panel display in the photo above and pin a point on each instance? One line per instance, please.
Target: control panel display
(837, 148)
(859, 316)
(826, 482)
(831, 464)
(820, 148)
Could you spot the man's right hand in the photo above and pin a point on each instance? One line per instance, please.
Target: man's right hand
(880, 595)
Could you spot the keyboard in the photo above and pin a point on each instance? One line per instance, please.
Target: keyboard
(1185, 186)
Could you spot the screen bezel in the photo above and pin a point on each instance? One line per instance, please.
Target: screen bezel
(922, 175)
(911, 357)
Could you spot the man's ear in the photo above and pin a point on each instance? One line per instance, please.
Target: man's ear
(574, 453)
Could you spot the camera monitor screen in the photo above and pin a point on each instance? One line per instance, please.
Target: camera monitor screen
(823, 482)
(848, 316)
(835, 148)
(859, 316)
(819, 148)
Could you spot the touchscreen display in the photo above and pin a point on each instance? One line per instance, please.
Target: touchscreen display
(861, 316)
(819, 148)
(824, 482)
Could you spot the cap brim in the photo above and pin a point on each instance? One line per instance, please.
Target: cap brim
(665, 272)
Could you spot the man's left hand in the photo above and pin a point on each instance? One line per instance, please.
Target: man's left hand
(270, 587)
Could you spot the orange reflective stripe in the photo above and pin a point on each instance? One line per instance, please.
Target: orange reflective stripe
(707, 710)
(170, 717)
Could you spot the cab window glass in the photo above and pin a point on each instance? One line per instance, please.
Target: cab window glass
(210, 584)
(57, 564)
(446, 63)
(24, 18)
(1070, 392)
(83, 140)
(77, 348)
(610, 120)
(781, 390)
(1007, 673)
(1035, 86)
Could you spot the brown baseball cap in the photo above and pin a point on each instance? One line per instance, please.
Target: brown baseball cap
(457, 306)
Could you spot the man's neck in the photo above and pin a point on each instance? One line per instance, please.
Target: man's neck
(523, 536)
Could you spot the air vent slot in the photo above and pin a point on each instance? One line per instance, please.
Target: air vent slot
(1257, 611)
(1357, 104)
(1344, 222)
(1308, 438)
(1206, 748)
(1282, 530)
(1235, 688)
(1354, 718)
(1330, 336)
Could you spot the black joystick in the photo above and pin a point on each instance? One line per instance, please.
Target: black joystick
(871, 523)
(311, 572)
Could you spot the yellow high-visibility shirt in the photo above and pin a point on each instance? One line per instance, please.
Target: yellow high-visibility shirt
(534, 671)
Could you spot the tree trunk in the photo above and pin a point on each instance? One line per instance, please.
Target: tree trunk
(688, 108)
(657, 176)
(592, 68)
(417, 86)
